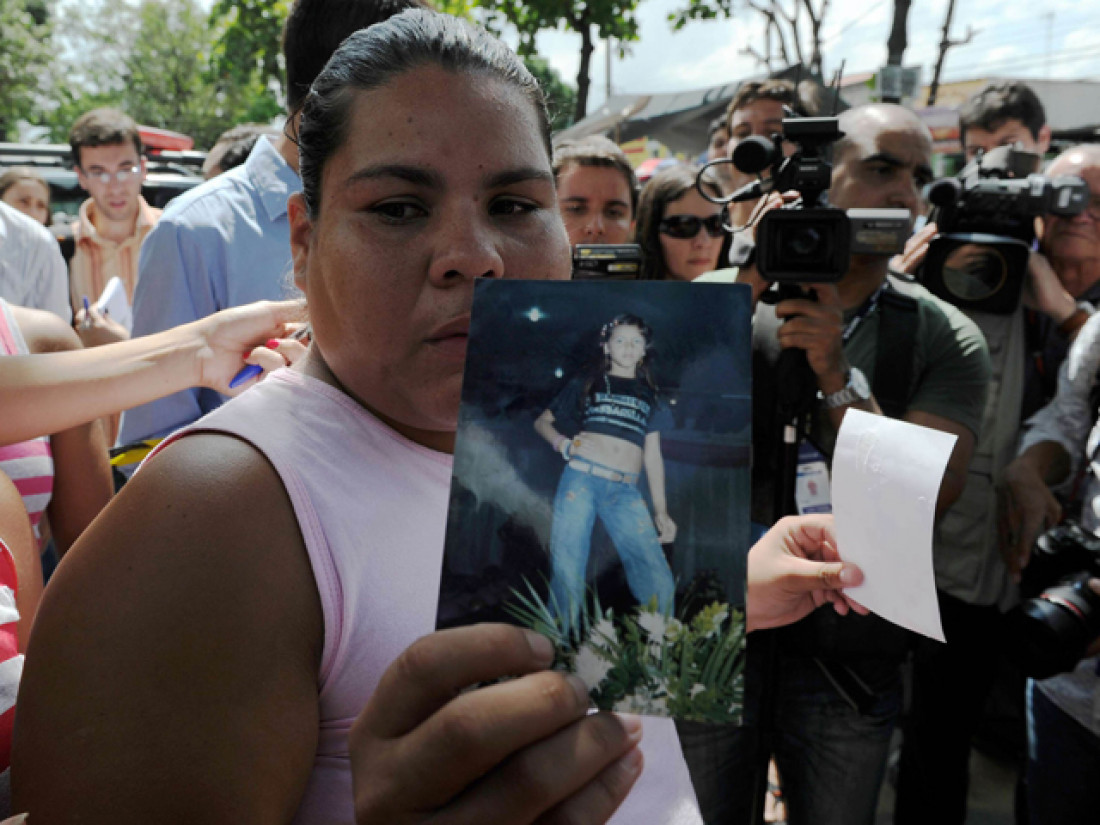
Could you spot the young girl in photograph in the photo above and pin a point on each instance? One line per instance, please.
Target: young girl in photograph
(612, 409)
(246, 634)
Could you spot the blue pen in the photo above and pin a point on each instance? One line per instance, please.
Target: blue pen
(87, 322)
(252, 370)
(247, 374)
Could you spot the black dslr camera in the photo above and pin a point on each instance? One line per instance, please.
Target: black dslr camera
(1060, 616)
(804, 242)
(986, 219)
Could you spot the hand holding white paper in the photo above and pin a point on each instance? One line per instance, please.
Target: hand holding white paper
(886, 478)
(114, 302)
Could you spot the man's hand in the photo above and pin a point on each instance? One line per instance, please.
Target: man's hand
(1044, 292)
(1025, 507)
(909, 261)
(426, 749)
(793, 570)
(95, 328)
(818, 328)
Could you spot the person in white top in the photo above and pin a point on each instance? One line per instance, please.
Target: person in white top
(32, 270)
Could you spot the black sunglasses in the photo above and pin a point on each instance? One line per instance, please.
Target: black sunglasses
(688, 226)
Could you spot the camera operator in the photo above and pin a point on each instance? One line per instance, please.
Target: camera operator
(1063, 711)
(835, 687)
(597, 191)
(951, 682)
(718, 138)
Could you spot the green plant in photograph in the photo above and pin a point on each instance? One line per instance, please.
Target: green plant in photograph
(645, 662)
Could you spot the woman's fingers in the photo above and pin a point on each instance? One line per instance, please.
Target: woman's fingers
(579, 773)
(479, 730)
(433, 670)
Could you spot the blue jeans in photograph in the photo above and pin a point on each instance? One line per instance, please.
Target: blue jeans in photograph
(580, 498)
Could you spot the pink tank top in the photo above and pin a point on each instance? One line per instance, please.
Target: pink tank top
(372, 508)
(29, 464)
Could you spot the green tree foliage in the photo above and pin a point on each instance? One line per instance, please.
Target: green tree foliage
(561, 98)
(591, 19)
(167, 63)
(247, 58)
(25, 55)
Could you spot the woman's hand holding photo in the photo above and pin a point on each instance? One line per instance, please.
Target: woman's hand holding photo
(793, 570)
(526, 750)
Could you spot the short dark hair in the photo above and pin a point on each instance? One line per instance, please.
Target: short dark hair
(103, 127)
(234, 145)
(669, 184)
(782, 91)
(716, 124)
(1002, 101)
(314, 29)
(372, 57)
(597, 150)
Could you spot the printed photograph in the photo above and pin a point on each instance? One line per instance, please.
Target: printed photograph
(601, 485)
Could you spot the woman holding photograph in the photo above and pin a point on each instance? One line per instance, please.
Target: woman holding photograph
(246, 633)
(612, 407)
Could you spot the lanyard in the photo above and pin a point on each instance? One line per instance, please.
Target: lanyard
(866, 309)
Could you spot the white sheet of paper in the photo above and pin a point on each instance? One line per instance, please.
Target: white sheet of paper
(886, 478)
(115, 302)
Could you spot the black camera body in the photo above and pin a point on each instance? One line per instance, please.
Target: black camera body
(804, 242)
(1060, 615)
(986, 218)
(607, 262)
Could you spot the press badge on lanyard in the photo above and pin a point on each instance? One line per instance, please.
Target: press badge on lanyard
(811, 483)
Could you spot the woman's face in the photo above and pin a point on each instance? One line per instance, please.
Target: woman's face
(688, 258)
(30, 197)
(443, 178)
(625, 348)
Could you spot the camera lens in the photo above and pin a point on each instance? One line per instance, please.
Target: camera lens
(974, 272)
(805, 241)
(1051, 632)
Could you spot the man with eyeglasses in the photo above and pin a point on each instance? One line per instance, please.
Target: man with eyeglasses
(114, 220)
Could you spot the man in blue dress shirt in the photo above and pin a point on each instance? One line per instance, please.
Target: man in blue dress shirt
(227, 242)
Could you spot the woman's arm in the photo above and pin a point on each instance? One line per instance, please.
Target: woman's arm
(172, 671)
(44, 394)
(82, 483)
(15, 531)
(655, 474)
(544, 426)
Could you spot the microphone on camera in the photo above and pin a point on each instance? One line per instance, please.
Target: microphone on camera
(752, 191)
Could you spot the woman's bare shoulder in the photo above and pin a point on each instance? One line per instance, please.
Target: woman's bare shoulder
(191, 590)
(44, 331)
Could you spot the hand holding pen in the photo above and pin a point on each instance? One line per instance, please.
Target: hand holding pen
(275, 353)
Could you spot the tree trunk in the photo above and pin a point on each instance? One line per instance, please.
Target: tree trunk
(896, 45)
(587, 48)
(945, 44)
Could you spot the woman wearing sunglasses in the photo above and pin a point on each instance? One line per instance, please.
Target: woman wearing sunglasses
(679, 230)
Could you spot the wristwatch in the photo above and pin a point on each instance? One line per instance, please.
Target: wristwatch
(857, 389)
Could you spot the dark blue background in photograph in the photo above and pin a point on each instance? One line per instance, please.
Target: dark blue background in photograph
(527, 339)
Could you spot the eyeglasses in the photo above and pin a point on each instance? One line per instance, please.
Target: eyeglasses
(688, 226)
(121, 176)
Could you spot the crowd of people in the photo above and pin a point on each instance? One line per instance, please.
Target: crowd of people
(243, 630)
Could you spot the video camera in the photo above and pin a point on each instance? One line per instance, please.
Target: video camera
(803, 242)
(1061, 616)
(986, 219)
(607, 262)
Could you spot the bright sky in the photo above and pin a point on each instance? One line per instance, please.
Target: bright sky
(1011, 39)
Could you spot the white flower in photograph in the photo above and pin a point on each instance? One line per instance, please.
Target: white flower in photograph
(591, 666)
(653, 624)
(696, 689)
(603, 632)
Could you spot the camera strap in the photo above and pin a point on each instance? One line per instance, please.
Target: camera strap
(865, 309)
(897, 333)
